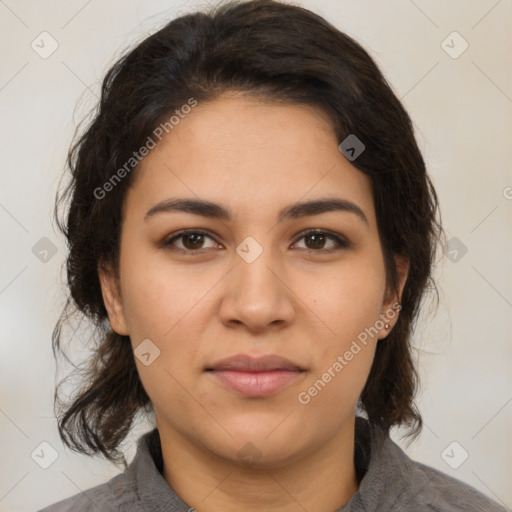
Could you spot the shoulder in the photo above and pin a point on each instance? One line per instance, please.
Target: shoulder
(443, 493)
(395, 482)
(139, 488)
(115, 495)
(126, 491)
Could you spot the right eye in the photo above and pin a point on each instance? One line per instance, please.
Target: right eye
(192, 241)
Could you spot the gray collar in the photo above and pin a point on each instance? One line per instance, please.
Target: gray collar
(389, 481)
(376, 457)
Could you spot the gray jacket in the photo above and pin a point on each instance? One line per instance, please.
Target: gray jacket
(389, 481)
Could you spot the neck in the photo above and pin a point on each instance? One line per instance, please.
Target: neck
(322, 480)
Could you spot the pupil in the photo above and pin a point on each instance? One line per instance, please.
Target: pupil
(196, 238)
(319, 240)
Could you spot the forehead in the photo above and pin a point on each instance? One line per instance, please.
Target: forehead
(252, 155)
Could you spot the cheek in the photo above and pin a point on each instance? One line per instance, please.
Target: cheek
(167, 308)
(350, 300)
(349, 307)
(345, 355)
(157, 299)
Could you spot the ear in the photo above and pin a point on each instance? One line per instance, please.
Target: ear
(391, 304)
(112, 299)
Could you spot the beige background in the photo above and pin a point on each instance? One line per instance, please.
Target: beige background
(462, 110)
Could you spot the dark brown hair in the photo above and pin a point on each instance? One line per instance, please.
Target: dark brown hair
(282, 53)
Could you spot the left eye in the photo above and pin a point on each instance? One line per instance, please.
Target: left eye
(192, 241)
(318, 238)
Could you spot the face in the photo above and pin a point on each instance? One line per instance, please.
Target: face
(258, 275)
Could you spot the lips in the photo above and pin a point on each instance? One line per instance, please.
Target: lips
(255, 377)
(243, 363)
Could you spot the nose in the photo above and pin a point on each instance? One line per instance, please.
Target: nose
(257, 295)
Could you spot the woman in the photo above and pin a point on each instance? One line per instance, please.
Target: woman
(252, 229)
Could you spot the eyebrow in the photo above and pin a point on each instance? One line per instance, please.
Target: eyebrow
(293, 211)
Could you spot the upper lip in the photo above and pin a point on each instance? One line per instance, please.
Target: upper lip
(245, 363)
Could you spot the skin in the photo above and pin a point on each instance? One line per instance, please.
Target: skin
(295, 300)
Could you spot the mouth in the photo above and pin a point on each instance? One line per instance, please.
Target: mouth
(255, 377)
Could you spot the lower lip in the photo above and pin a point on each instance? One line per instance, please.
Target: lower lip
(256, 384)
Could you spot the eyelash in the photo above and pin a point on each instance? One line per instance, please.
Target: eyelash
(341, 242)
